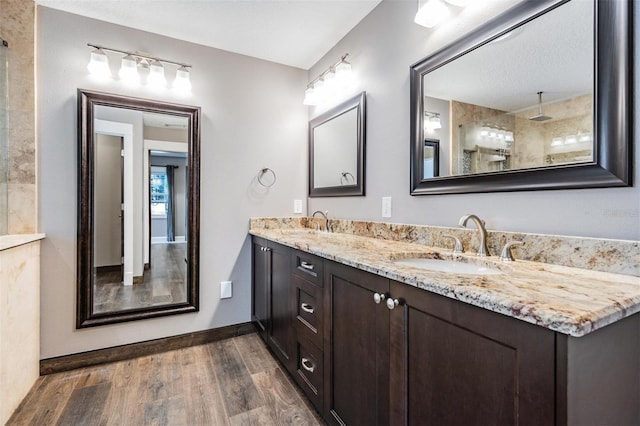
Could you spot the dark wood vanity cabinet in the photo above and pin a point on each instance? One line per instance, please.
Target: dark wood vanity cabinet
(271, 306)
(356, 346)
(369, 350)
(457, 364)
(429, 360)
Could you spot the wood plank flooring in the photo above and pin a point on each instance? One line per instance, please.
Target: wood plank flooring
(164, 283)
(229, 382)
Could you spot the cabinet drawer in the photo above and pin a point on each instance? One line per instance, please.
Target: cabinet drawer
(309, 368)
(308, 309)
(307, 266)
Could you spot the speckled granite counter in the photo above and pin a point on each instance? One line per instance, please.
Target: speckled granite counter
(569, 300)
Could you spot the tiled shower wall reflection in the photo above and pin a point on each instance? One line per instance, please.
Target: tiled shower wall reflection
(4, 138)
(17, 19)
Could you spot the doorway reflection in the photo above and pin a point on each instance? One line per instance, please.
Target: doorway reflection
(140, 205)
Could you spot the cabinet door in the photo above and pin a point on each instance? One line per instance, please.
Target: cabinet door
(260, 286)
(356, 347)
(456, 364)
(281, 310)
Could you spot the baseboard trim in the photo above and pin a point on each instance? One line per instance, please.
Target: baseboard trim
(135, 350)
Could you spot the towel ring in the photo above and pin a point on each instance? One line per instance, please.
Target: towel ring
(264, 171)
(345, 178)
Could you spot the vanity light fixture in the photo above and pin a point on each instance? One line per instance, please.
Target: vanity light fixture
(133, 63)
(331, 83)
(98, 63)
(431, 13)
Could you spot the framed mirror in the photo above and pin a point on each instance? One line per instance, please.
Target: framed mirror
(138, 208)
(337, 149)
(538, 98)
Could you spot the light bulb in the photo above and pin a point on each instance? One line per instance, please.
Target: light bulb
(310, 97)
(557, 141)
(435, 122)
(344, 75)
(129, 70)
(570, 140)
(318, 90)
(431, 13)
(183, 79)
(330, 83)
(99, 64)
(156, 74)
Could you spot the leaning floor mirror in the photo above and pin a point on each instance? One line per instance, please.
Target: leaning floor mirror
(138, 208)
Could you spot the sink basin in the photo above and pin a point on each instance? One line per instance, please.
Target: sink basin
(451, 266)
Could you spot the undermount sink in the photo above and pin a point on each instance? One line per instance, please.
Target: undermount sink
(452, 266)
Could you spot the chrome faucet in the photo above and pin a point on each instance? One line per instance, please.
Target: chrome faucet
(325, 215)
(483, 250)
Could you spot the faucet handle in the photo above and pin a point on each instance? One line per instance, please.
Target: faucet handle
(457, 248)
(506, 255)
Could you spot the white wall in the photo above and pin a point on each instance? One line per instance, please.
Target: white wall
(381, 49)
(252, 117)
(107, 197)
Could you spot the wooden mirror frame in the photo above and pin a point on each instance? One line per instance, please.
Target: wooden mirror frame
(87, 100)
(613, 107)
(357, 102)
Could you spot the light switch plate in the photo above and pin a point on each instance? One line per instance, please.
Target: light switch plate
(386, 206)
(297, 206)
(225, 289)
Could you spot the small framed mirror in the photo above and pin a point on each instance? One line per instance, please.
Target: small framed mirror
(336, 150)
(138, 208)
(538, 98)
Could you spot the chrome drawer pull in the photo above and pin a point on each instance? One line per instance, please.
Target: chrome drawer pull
(310, 367)
(306, 265)
(307, 308)
(378, 297)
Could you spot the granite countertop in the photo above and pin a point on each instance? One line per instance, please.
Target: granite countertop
(568, 300)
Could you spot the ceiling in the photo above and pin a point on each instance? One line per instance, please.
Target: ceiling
(291, 32)
(553, 54)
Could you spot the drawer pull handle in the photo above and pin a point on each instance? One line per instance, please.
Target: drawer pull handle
(307, 365)
(378, 297)
(306, 265)
(307, 308)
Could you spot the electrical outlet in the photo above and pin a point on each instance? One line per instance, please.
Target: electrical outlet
(297, 206)
(386, 206)
(225, 289)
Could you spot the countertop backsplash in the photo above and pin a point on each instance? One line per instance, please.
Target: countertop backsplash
(606, 255)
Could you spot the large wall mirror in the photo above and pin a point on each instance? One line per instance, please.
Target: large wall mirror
(337, 149)
(138, 208)
(538, 98)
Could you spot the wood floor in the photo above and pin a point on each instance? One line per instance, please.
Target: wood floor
(164, 283)
(229, 382)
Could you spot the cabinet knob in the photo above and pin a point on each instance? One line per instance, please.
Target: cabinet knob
(378, 297)
(307, 308)
(307, 365)
(392, 303)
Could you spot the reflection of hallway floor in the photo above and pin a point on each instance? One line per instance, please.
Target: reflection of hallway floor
(164, 283)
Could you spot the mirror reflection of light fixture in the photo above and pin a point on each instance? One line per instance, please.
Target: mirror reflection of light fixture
(432, 121)
(333, 81)
(133, 63)
(431, 13)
